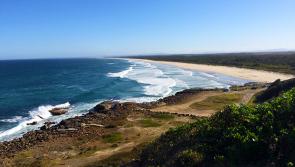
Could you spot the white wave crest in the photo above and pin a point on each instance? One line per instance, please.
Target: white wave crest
(207, 75)
(155, 82)
(121, 74)
(36, 115)
(13, 119)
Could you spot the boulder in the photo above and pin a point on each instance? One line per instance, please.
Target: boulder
(58, 111)
(47, 125)
(104, 106)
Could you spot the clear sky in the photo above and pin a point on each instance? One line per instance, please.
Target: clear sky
(71, 28)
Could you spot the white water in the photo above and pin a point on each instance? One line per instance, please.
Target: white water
(13, 119)
(163, 80)
(157, 81)
(39, 114)
(121, 74)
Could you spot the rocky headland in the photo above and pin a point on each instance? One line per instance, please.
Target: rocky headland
(137, 122)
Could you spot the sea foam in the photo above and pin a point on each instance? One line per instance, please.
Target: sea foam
(13, 119)
(154, 81)
(121, 74)
(36, 115)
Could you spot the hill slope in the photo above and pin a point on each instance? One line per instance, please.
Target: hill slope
(261, 135)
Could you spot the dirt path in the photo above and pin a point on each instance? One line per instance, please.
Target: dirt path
(184, 108)
(99, 155)
(125, 146)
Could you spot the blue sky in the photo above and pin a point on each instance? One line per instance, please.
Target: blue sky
(87, 28)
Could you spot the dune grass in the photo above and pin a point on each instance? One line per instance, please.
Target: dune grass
(112, 138)
(217, 102)
(163, 116)
(147, 122)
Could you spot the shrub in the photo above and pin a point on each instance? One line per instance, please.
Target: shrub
(260, 135)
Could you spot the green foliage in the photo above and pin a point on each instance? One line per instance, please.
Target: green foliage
(112, 138)
(274, 90)
(163, 116)
(217, 102)
(261, 135)
(148, 123)
(188, 158)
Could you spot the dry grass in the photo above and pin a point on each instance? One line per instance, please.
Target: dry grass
(217, 102)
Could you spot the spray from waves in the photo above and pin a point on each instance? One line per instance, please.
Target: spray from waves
(37, 115)
(155, 82)
(13, 119)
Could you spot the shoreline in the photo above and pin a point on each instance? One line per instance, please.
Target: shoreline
(40, 124)
(242, 73)
(98, 116)
(90, 137)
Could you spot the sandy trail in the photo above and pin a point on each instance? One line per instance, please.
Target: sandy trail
(184, 108)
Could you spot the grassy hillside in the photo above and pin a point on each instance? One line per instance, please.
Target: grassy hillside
(283, 62)
(274, 90)
(261, 135)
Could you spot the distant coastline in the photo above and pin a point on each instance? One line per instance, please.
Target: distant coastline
(243, 73)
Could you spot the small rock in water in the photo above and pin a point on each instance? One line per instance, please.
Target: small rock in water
(58, 111)
(32, 123)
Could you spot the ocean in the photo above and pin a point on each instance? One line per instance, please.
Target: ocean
(30, 88)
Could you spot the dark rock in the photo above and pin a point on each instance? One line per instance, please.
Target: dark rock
(107, 105)
(46, 125)
(32, 123)
(58, 111)
(65, 123)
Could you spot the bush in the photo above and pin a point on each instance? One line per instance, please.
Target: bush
(260, 135)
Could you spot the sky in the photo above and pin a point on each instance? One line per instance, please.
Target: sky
(90, 28)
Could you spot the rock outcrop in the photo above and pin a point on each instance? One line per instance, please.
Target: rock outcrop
(58, 111)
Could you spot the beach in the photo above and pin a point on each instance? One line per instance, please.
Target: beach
(242, 73)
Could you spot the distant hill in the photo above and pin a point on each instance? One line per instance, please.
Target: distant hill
(283, 62)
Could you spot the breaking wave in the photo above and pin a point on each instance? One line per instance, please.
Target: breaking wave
(36, 115)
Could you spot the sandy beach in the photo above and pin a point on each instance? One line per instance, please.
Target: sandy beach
(243, 73)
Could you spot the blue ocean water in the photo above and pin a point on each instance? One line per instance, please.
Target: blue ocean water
(30, 88)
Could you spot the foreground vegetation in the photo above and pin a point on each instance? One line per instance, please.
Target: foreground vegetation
(283, 62)
(274, 90)
(260, 135)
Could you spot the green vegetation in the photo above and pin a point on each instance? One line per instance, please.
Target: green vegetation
(148, 123)
(112, 138)
(163, 116)
(118, 159)
(217, 102)
(270, 61)
(26, 159)
(274, 90)
(261, 135)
